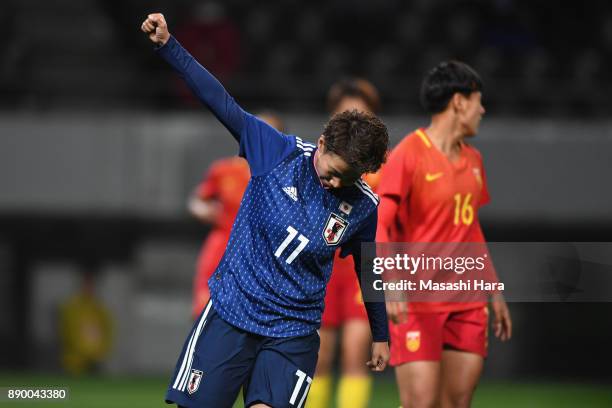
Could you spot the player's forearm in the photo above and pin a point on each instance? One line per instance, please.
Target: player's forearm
(489, 274)
(206, 211)
(204, 86)
(377, 316)
(377, 311)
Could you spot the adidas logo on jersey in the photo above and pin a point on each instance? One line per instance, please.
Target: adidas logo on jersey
(291, 192)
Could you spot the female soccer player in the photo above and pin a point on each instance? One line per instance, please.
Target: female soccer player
(259, 331)
(344, 309)
(431, 189)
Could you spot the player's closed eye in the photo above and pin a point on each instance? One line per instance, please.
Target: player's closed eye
(349, 180)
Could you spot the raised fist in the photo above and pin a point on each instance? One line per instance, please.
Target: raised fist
(157, 29)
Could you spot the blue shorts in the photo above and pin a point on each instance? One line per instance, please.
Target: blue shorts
(218, 359)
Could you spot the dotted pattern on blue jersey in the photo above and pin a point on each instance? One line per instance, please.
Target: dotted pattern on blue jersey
(272, 278)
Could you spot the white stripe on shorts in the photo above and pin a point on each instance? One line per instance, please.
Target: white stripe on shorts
(183, 374)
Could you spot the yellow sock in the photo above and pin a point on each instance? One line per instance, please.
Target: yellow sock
(319, 395)
(354, 392)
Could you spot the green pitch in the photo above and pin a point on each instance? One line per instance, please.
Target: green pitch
(139, 392)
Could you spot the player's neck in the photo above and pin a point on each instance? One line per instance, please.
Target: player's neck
(446, 135)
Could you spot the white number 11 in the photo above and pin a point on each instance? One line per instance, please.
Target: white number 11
(301, 377)
(292, 234)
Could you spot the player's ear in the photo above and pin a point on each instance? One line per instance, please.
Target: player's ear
(321, 143)
(458, 102)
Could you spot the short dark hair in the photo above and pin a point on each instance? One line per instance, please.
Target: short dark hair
(359, 138)
(443, 81)
(353, 88)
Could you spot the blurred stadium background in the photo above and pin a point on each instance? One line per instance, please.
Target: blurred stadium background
(100, 146)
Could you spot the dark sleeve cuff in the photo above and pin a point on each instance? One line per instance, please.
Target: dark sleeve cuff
(171, 43)
(377, 315)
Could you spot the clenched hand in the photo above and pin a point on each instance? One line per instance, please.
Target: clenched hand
(155, 25)
(380, 356)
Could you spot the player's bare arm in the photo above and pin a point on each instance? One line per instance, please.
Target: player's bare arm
(397, 311)
(157, 29)
(502, 322)
(207, 211)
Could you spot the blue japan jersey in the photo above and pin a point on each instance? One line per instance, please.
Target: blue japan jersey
(271, 280)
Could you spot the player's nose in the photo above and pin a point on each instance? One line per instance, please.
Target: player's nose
(335, 182)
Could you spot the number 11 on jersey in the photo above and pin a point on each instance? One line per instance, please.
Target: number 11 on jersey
(298, 386)
(292, 234)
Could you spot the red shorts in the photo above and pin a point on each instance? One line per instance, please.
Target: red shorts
(425, 335)
(343, 299)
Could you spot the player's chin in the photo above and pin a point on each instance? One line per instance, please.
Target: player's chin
(471, 131)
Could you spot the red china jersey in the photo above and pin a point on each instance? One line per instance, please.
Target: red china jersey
(226, 182)
(438, 199)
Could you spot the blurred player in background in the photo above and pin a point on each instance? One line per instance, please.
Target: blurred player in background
(344, 308)
(303, 201)
(86, 328)
(438, 349)
(215, 202)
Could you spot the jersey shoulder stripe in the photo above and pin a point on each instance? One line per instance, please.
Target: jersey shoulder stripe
(306, 147)
(365, 189)
(421, 134)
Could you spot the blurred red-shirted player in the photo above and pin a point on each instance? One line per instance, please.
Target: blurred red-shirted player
(216, 201)
(431, 189)
(344, 308)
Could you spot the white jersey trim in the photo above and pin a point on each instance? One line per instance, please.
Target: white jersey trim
(306, 147)
(183, 375)
(365, 189)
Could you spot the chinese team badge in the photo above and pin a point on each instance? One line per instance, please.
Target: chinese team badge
(413, 340)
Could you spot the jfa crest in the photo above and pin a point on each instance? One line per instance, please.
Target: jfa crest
(334, 229)
(413, 340)
(194, 381)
